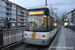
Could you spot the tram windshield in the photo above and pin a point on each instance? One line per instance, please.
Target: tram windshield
(36, 23)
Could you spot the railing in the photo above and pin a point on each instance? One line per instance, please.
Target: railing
(72, 27)
(22, 17)
(21, 20)
(9, 36)
(11, 21)
(2, 15)
(8, 15)
(8, 11)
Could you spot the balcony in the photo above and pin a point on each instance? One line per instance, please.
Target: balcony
(21, 17)
(9, 11)
(9, 16)
(21, 21)
(25, 15)
(3, 19)
(73, 11)
(73, 15)
(8, 5)
(2, 4)
(21, 14)
(73, 18)
(18, 12)
(11, 21)
(2, 15)
(21, 10)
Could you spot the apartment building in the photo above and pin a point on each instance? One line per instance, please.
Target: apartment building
(21, 15)
(12, 14)
(70, 17)
(73, 16)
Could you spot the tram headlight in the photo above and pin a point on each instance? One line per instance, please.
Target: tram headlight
(42, 36)
(26, 34)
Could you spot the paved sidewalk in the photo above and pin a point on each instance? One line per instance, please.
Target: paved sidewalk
(61, 42)
(69, 38)
(65, 40)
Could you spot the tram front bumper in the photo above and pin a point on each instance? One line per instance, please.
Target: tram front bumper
(37, 41)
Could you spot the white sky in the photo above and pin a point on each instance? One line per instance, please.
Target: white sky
(65, 6)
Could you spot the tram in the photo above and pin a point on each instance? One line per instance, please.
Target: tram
(42, 25)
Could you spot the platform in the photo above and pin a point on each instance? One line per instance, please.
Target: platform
(65, 40)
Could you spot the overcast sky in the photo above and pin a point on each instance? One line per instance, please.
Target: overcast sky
(65, 6)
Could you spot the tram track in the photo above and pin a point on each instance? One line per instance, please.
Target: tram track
(35, 47)
(32, 47)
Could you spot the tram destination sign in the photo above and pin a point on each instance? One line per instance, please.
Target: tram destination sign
(35, 12)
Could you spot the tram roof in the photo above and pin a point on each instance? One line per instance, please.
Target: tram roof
(50, 9)
(40, 7)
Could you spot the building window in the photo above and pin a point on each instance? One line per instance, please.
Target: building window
(2, 24)
(24, 23)
(13, 15)
(10, 19)
(2, 18)
(73, 11)
(13, 11)
(2, 2)
(24, 11)
(8, 5)
(13, 19)
(13, 6)
(2, 8)
(18, 12)
(9, 10)
(18, 23)
(18, 20)
(19, 9)
(8, 15)
(13, 24)
(2, 13)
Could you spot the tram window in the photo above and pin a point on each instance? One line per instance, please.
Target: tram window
(51, 23)
(45, 20)
(48, 23)
(37, 23)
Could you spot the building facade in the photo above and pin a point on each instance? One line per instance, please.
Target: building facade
(21, 16)
(12, 14)
(73, 16)
(70, 17)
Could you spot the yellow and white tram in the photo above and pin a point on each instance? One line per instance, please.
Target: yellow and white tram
(42, 25)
